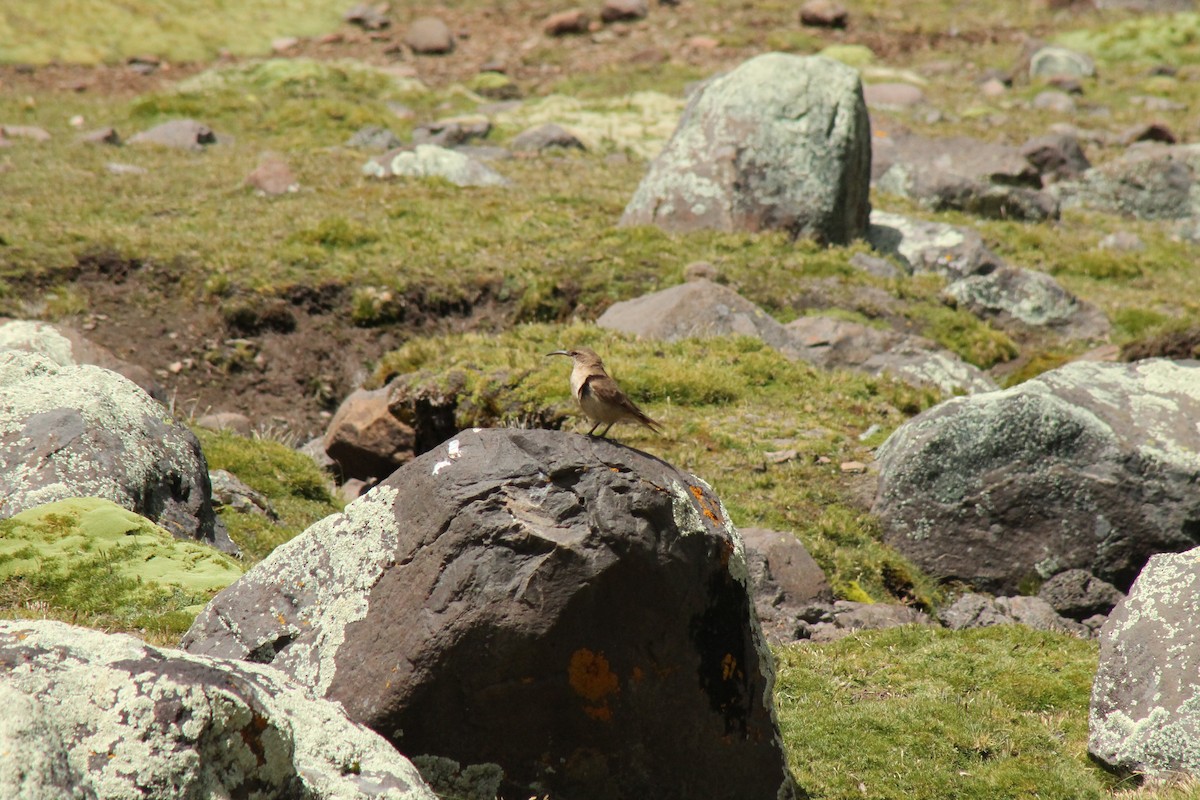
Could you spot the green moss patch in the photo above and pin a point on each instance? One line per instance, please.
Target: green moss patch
(92, 558)
(918, 712)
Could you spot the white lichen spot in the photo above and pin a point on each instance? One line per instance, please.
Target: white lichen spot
(439, 466)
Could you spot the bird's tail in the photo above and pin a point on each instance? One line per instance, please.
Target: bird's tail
(652, 424)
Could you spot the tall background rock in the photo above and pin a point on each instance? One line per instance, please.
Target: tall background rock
(780, 143)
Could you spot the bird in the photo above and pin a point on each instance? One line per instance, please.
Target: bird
(598, 395)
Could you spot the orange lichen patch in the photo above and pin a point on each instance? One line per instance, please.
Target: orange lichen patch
(729, 668)
(726, 552)
(638, 675)
(705, 505)
(590, 675)
(280, 618)
(602, 713)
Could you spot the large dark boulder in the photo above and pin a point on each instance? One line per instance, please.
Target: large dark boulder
(1090, 466)
(95, 715)
(783, 142)
(83, 431)
(566, 607)
(1145, 709)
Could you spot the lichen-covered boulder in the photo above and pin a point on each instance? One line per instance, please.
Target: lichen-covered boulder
(432, 161)
(568, 608)
(95, 715)
(83, 431)
(1021, 299)
(1090, 466)
(923, 246)
(1145, 709)
(781, 143)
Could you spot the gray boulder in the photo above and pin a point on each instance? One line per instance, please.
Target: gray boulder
(921, 246)
(182, 134)
(788, 586)
(516, 577)
(66, 346)
(696, 309)
(833, 342)
(95, 715)
(1016, 298)
(1145, 709)
(780, 143)
(980, 611)
(1053, 61)
(1148, 181)
(1090, 466)
(1080, 595)
(83, 431)
(1056, 156)
(431, 161)
(849, 617)
(544, 137)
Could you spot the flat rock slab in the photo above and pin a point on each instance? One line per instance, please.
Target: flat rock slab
(566, 607)
(95, 715)
(1090, 466)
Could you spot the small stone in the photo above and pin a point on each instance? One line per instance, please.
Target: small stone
(1054, 100)
(545, 137)
(227, 421)
(700, 270)
(566, 23)
(781, 456)
(992, 88)
(375, 137)
(273, 176)
(892, 95)
(185, 134)
(824, 14)
(702, 43)
(283, 44)
(368, 17)
(125, 169)
(429, 36)
(1149, 132)
(874, 265)
(624, 10)
(1122, 241)
(853, 467)
(31, 132)
(101, 136)
(1052, 61)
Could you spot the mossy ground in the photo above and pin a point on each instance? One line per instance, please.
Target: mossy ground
(908, 713)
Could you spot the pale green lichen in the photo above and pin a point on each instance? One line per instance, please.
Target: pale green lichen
(338, 561)
(102, 692)
(36, 337)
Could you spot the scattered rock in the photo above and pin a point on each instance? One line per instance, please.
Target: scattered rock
(624, 10)
(696, 309)
(31, 132)
(429, 36)
(117, 168)
(365, 440)
(185, 134)
(83, 431)
(273, 176)
(1087, 466)
(544, 137)
(452, 132)
(782, 142)
(368, 17)
(1078, 594)
(282, 44)
(980, 611)
(228, 491)
(892, 96)
(374, 137)
(921, 246)
(168, 724)
(831, 342)
(700, 270)
(519, 558)
(227, 421)
(873, 265)
(786, 583)
(824, 14)
(101, 136)
(1053, 62)
(431, 161)
(1148, 132)
(1148, 181)
(850, 617)
(567, 23)
(1016, 298)
(1144, 711)
(1056, 157)
(1122, 241)
(1054, 100)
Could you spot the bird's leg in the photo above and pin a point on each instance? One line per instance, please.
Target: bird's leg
(593, 430)
(605, 431)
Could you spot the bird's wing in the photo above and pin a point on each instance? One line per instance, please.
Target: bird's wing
(605, 389)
